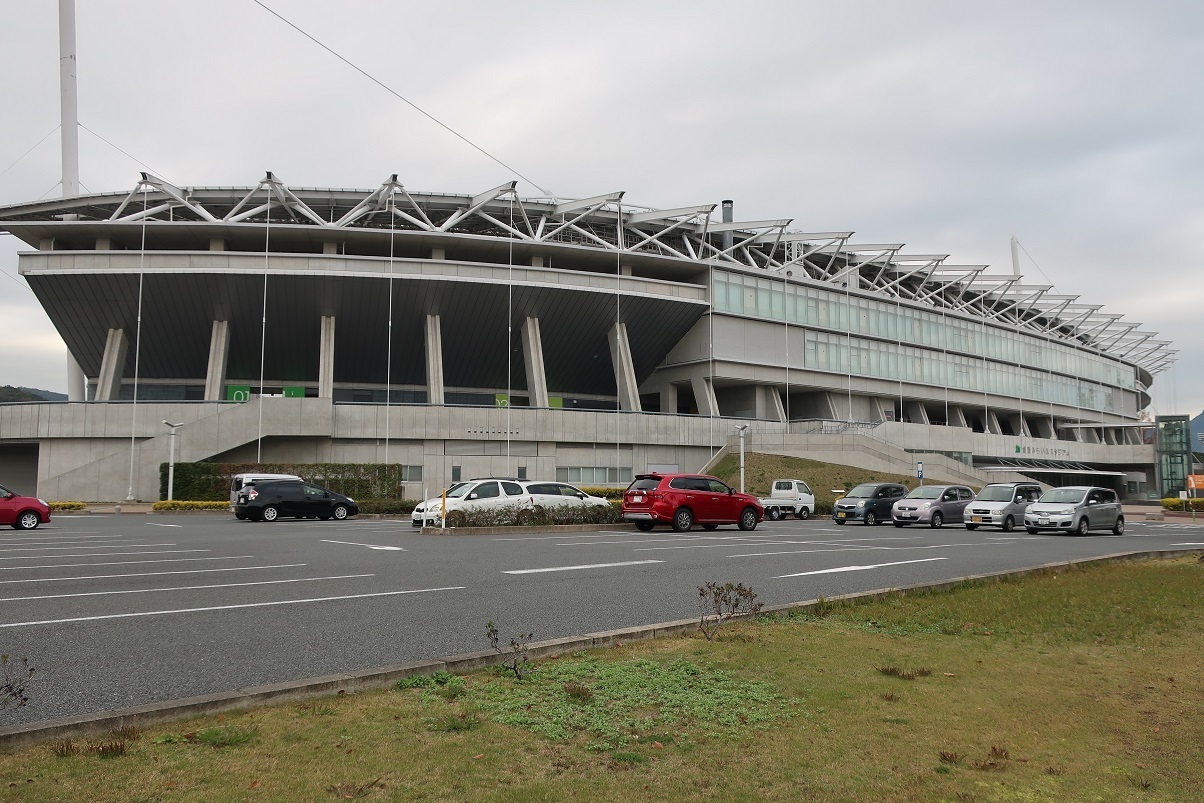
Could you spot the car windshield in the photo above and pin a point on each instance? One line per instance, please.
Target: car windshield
(926, 492)
(1064, 495)
(456, 491)
(996, 493)
(862, 492)
(4, 491)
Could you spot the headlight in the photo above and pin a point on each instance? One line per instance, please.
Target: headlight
(1066, 512)
(44, 502)
(417, 508)
(1028, 510)
(861, 504)
(925, 505)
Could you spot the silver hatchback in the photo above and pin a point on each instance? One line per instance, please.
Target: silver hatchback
(1001, 504)
(1077, 509)
(932, 505)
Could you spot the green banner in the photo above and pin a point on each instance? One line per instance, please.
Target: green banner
(238, 393)
(294, 391)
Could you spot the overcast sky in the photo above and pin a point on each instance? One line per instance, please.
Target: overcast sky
(948, 126)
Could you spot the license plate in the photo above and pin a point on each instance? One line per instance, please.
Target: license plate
(637, 499)
(1043, 521)
(841, 515)
(904, 514)
(976, 519)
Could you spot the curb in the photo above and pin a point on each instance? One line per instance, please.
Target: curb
(379, 677)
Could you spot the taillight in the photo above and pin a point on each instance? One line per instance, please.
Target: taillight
(252, 494)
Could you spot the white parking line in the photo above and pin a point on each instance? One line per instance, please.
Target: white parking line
(157, 524)
(575, 568)
(120, 562)
(151, 574)
(603, 534)
(860, 549)
(104, 554)
(74, 546)
(59, 538)
(1187, 544)
(227, 607)
(184, 588)
(856, 568)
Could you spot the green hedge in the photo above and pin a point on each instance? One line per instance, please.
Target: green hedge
(604, 492)
(395, 507)
(211, 481)
(183, 504)
(1179, 505)
(66, 505)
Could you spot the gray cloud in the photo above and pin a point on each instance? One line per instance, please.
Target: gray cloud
(945, 125)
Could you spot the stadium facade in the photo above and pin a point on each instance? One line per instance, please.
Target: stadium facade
(588, 340)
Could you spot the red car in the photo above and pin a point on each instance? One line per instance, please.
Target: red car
(683, 499)
(22, 512)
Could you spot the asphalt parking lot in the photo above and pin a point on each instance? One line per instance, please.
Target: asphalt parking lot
(120, 610)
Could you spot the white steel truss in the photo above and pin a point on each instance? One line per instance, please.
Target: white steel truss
(685, 233)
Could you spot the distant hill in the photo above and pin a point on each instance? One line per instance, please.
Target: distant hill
(10, 394)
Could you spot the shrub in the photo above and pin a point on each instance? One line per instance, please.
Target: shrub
(66, 505)
(718, 603)
(15, 675)
(1173, 504)
(387, 506)
(613, 494)
(516, 661)
(823, 507)
(211, 481)
(509, 516)
(183, 504)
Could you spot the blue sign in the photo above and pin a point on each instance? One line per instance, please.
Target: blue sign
(919, 470)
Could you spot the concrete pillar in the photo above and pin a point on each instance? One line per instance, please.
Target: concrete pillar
(112, 365)
(956, 418)
(769, 404)
(620, 357)
(537, 380)
(434, 360)
(75, 381)
(326, 359)
(704, 395)
(217, 244)
(219, 355)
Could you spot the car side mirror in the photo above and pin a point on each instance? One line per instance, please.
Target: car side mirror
(581, 496)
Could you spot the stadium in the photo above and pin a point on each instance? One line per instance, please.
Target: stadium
(587, 340)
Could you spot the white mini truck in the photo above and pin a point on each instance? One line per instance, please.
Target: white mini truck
(789, 498)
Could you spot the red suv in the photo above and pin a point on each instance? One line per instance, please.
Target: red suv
(22, 512)
(683, 499)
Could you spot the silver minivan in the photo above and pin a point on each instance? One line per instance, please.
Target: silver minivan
(1076, 509)
(1001, 504)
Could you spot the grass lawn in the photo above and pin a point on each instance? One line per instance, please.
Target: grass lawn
(762, 469)
(1082, 686)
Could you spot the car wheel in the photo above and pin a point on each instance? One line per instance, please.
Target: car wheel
(269, 513)
(1083, 527)
(840, 522)
(29, 520)
(773, 514)
(643, 526)
(748, 519)
(340, 512)
(240, 516)
(973, 526)
(1009, 524)
(803, 513)
(1119, 527)
(897, 523)
(710, 526)
(1032, 530)
(870, 519)
(683, 520)
(938, 521)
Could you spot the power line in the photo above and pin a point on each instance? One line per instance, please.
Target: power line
(31, 150)
(400, 97)
(119, 150)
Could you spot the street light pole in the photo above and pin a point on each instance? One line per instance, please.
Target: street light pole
(171, 458)
(742, 428)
